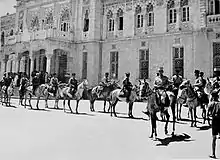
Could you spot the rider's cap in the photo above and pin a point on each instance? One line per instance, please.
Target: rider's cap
(106, 73)
(201, 73)
(127, 74)
(54, 74)
(197, 71)
(73, 74)
(160, 69)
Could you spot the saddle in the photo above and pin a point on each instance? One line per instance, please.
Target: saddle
(123, 93)
(162, 98)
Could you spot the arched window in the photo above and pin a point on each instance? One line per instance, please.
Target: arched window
(86, 21)
(139, 17)
(11, 32)
(120, 19)
(65, 20)
(35, 23)
(3, 38)
(172, 13)
(111, 22)
(150, 15)
(211, 7)
(49, 20)
(184, 4)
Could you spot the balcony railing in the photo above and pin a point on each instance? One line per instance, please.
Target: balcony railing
(10, 40)
(213, 19)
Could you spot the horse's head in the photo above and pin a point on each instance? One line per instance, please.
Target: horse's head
(144, 88)
(84, 84)
(114, 85)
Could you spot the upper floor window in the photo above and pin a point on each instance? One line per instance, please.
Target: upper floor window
(150, 15)
(111, 22)
(49, 20)
(139, 17)
(214, 7)
(3, 38)
(65, 21)
(172, 12)
(86, 22)
(35, 24)
(120, 19)
(184, 10)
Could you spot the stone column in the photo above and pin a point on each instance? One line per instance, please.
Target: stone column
(18, 64)
(178, 18)
(49, 56)
(5, 64)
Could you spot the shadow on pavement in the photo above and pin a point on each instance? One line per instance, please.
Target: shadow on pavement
(60, 109)
(133, 118)
(83, 114)
(203, 128)
(11, 106)
(110, 113)
(34, 109)
(176, 138)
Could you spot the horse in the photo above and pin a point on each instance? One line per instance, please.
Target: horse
(64, 92)
(42, 91)
(28, 91)
(7, 93)
(115, 96)
(150, 97)
(191, 100)
(105, 94)
(180, 101)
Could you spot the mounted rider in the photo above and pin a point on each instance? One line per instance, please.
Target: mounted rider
(104, 83)
(177, 80)
(73, 83)
(23, 83)
(127, 86)
(35, 82)
(53, 84)
(6, 81)
(161, 84)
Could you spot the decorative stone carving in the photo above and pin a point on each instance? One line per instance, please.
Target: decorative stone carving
(159, 2)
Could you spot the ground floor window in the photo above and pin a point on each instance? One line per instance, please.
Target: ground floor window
(178, 60)
(144, 63)
(114, 65)
(84, 65)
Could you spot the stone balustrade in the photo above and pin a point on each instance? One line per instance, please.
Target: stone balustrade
(213, 19)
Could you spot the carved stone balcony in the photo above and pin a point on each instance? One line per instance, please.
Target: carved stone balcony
(10, 40)
(213, 20)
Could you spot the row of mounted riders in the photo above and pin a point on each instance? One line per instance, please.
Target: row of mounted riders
(165, 94)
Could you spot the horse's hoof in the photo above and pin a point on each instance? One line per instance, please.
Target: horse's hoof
(151, 136)
(166, 132)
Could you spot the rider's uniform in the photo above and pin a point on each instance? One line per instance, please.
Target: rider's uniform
(177, 80)
(127, 85)
(35, 83)
(105, 82)
(54, 84)
(23, 83)
(73, 83)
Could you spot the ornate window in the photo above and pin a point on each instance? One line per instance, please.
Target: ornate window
(11, 32)
(144, 64)
(211, 7)
(114, 65)
(49, 20)
(35, 25)
(86, 22)
(84, 65)
(184, 10)
(111, 22)
(139, 17)
(172, 12)
(120, 19)
(3, 38)
(150, 15)
(65, 20)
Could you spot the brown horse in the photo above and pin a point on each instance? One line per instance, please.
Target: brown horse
(105, 94)
(64, 92)
(192, 100)
(149, 96)
(115, 96)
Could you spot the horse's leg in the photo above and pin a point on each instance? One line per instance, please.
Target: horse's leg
(69, 106)
(167, 121)
(130, 110)
(174, 116)
(25, 100)
(191, 113)
(92, 105)
(195, 117)
(64, 103)
(56, 103)
(114, 108)
(30, 100)
(109, 106)
(204, 113)
(46, 101)
(152, 125)
(38, 99)
(104, 105)
(77, 105)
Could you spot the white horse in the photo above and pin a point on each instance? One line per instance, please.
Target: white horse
(64, 92)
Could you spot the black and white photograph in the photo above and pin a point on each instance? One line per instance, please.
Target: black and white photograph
(109, 79)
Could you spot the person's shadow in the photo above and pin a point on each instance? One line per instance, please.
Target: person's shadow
(176, 138)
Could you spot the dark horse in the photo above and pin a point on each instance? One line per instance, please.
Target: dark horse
(150, 97)
(93, 94)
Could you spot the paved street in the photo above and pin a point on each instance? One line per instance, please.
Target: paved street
(52, 135)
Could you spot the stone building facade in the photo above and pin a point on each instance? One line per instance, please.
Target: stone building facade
(91, 37)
